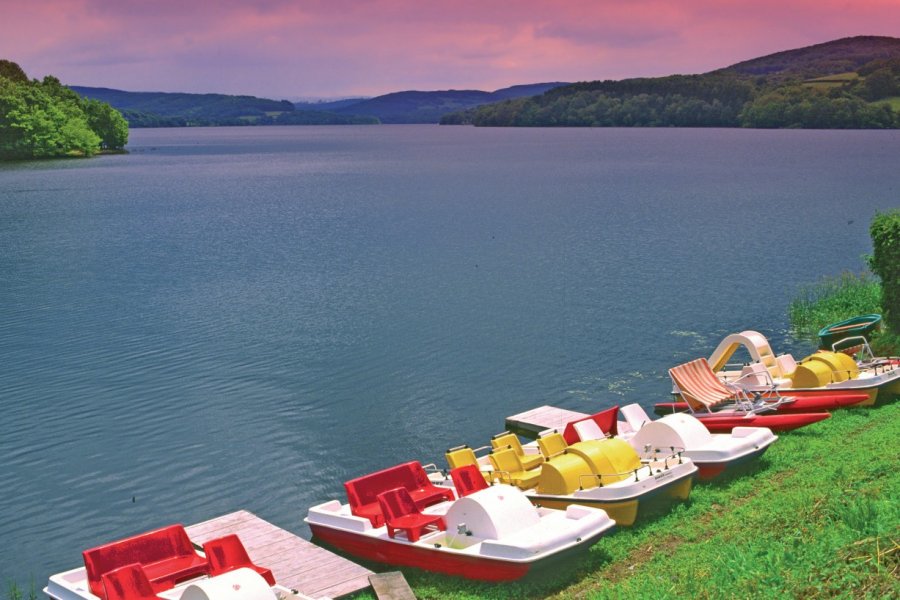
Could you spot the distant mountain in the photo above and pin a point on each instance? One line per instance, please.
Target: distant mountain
(429, 107)
(164, 109)
(327, 105)
(846, 83)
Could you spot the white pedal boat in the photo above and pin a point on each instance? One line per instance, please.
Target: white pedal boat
(492, 534)
(713, 453)
(600, 473)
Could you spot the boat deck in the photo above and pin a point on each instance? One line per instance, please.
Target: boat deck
(296, 563)
(532, 422)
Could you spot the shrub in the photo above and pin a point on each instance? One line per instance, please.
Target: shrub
(885, 262)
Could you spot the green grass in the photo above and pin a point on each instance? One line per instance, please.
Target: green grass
(837, 77)
(816, 517)
(893, 102)
(831, 81)
(834, 299)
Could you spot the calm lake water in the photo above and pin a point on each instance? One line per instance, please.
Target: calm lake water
(246, 317)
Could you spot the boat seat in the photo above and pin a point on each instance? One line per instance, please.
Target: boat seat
(511, 471)
(468, 479)
(128, 582)
(786, 365)
(401, 514)
(552, 444)
(699, 386)
(166, 556)
(511, 440)
(635, 416)
(227, 553)
(463, 455)
(606, 420)
(362, 492)
(588, 430)
(459, 456)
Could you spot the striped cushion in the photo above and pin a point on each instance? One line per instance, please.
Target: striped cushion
(699, 386)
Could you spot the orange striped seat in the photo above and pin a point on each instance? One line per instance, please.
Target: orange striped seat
(700, 388)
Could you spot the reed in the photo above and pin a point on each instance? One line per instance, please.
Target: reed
(14, 592)
(834, 299)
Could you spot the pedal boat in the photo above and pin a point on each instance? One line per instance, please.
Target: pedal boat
(490, 533)
(849, 367)
(723, 406)
(163, 564)
(713, 453)
(607, 474)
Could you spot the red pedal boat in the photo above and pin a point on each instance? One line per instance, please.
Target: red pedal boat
(808, 402)
(491, 533)
(722, 407)
(726, 421)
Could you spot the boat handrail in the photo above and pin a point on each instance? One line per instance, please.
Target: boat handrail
(865, 352)
(676, 450)
(742, 395)
(599, 476)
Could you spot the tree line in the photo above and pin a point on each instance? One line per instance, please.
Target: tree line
(42, 119)
(718, 99)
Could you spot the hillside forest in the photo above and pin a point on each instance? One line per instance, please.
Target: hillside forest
(42, 119)
(852, 83)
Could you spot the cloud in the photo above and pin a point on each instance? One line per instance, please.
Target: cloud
(318, 47)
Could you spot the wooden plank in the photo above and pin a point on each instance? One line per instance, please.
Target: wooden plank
(391, 586)
(532, 422)
(296, 563)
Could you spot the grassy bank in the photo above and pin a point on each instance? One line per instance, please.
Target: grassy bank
(817, 517)
(834, 299)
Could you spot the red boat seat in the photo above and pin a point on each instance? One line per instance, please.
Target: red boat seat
(128, 583)
(362, 492)
(227, 554)
(606, 419)
(166, 556)
(401, 514)
(468, 479)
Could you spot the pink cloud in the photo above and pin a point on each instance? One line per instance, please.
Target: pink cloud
(282, 48)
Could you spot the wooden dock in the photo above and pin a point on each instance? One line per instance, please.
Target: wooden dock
(532, 422)
(296, 563)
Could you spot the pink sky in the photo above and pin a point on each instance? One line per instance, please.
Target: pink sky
(306, 48)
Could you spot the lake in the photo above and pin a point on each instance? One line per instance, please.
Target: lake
(233, 318)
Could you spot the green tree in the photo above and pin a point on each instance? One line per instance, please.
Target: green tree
(885, 262)
(106, 122)
(12, 71)
(880, 84)
(41, 119)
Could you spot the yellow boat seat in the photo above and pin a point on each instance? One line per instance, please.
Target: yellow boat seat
(510, 469)
(552, 444)
(510, 440)
(462, 456)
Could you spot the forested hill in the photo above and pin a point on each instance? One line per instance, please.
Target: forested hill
(165, 109)
(847, 83)
(429, 107)
(43, 119)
